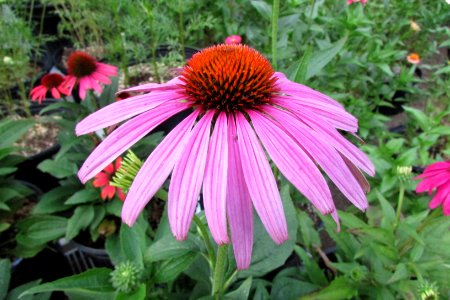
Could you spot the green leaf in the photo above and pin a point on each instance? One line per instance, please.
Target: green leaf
(15, 293)
(322, 57)
(4, 226)
(61, 104)
(268, 256)
(386, 69)
(139, 294)
(170, 269)
(418, 116)
(242, 292)
(388, 210)
(6, 171)
(38, 230)
(53, 200)
(5, 276)
(129, 242)
(401, 272)
(83, 196)
(313, 271)
(308, 235)
(112, 246)
(12, 130)
(299, 74)
(81, 219)
(94, 282)
(168, 247)
(338, 289)
(4, 206)
(264, 9)
(58, 168)
(289, 288)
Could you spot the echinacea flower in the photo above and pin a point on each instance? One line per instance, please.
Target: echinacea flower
(355, 1)
(413, 58)
(102, 180)
(86, 72)
(239, 104)
(436, 176)
(49, 83)
(233, 39)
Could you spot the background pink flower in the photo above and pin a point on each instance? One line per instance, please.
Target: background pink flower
(233, 39)
(86, 72)
(437, 176)
(49, 83)
(354, 1)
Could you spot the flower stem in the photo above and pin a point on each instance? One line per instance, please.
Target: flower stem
(219, 272)
(275, 13)
(204, 235)
(401, 195)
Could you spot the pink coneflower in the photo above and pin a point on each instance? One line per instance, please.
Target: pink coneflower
(87, 72)
(102, 180)
(437, 176)
(49, 82)
(355, 1)
(233, 39)
(239, 105)
(413, 58)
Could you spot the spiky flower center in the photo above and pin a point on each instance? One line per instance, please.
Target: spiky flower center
(52, 80)
(81, 64)
(229, 78)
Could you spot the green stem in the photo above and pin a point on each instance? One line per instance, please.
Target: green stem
(401, 195)
(204, 235)
(219, 272)
(275, 13)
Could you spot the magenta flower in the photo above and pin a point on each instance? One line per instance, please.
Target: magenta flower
(49, 83)
(87, 72)
(437, 176)
(233, 39)
(239, 105)
(354, 1)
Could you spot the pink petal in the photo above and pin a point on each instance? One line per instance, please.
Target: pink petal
(362, 181)
(440, 196)
(337, 117)
(293, 162)
(170, 85)
(122, 110)
(68, 84)
(431, 183)
(125, 136)
(38, 93)
(340, 143)
(317, 146)
(187, 178)
(239, 204)
(438, 166)
(94, 84)
(260, 181)
(156, 169)
(83, 87)
(55, 93)
(215, 181)
(106, 69)
(101, 77)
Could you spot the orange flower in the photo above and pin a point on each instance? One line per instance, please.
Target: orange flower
(413, 58)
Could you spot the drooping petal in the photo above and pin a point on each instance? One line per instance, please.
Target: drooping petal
(172, 84)
(156, 169)
(293, 162)
(100, 179)
(68, 84)
(83, 87)
(215, 181)
(94, 84)
(122, 110)
(108, 192)
(429, 184)
(340, 143)
(101, 77)
(239, 205)
(317, 146)
(106, 69)
(125, 136)
(440, 196)
(187, 178)
(362, 181)
(337, 117)
(55, 93)
(260, 182)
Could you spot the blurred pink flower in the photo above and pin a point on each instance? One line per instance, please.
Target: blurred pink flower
(239, 104)
(354, 1)
(437, 176)
(233, 39)
(49, 83)
(413, 58)
(103, 178)
(87, 72)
